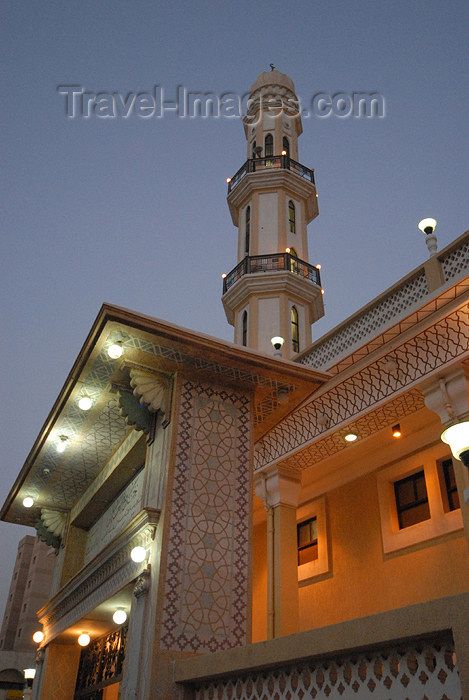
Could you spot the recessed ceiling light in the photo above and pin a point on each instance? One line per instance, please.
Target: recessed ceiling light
(85, 403)
(350, 437)
(28, 502)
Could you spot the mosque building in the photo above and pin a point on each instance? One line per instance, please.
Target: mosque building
(274, 517)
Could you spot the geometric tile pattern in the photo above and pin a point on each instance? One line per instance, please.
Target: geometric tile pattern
(368, 323)
(394, 305)
(423, 670)
(364, 426)
(263, 408)
(206, 597)
(369, 386)
(456, 261)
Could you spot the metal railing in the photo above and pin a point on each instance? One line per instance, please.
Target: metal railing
(272, 263)
(253, 165)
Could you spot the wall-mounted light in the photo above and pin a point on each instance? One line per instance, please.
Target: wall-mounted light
(120, 616)
(63, 443)
(396, 431)
(38, 636)
(457, 437)
(28, 502)
(85, 403)
(84, 639)
(29, 673)
(115, 350)
(138, 554)
(277, 341)
(350, 437)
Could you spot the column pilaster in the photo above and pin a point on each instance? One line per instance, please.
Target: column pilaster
(280, 491)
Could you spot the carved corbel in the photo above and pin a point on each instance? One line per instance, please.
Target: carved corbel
(51, 527)
(142, 584)
(153, 391)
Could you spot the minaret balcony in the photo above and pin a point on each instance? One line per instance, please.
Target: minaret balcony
(255, 165)
(276, 262)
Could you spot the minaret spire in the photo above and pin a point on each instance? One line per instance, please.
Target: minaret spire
(273, 290)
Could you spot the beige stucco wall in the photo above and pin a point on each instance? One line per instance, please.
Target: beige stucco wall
(362, 580)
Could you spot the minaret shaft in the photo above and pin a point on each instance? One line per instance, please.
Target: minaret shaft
(273, 290)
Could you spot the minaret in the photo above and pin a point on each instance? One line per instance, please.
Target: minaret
(273, 290)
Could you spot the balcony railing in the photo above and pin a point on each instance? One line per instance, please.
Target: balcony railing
(272, 263)
(254, 165)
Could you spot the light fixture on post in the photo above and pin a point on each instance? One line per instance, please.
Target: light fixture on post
(427, 226)
(457, 437)
(29, 674)
(277, 341)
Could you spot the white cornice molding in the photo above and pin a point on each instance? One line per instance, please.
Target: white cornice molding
(273, 179)
(275, 282)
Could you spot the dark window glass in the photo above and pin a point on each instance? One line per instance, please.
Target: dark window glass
(247, 235)
(411, 500)
(307, 537)
(245, 328)
(295, 339)
(286, 145)
(450, 484)
(253, 153)
(291, 217)
(269, 146)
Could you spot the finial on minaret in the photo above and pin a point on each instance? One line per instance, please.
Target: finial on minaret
(272, 67)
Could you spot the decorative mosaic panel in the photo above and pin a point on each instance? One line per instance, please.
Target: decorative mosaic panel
(409, 362)
(208, 557)
(414, 671)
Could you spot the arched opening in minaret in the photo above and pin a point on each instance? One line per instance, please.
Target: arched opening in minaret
(244, 329)
(253, 151)
(295, 336)
(247, 231)
(286, 146)
(291, 217)
(268, 145)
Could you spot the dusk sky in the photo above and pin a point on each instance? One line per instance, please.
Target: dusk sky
(132, 211)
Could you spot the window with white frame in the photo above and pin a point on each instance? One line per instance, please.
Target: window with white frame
(312, 539)
(416, 501)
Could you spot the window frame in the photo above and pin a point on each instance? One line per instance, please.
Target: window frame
(315, 508)
(403, 508)
(268, 141)
(440, 522)
(247, 230)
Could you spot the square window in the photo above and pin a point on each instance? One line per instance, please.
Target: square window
(307, 537)
(411, 500)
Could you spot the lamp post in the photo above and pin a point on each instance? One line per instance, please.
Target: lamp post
(427, 226)
(29, 674)
(457, 437)
(277, 341)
